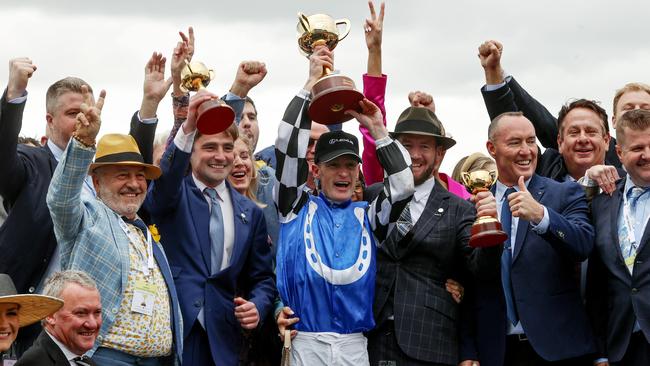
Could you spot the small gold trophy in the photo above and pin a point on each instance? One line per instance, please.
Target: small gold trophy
(333, 93)
(486, 230)
(214, 115)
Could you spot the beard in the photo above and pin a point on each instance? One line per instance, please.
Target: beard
(116, 203)
(426, 174)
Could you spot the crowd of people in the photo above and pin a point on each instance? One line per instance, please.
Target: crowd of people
(187, 248)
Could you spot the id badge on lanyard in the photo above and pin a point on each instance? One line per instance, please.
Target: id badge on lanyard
(144, 292)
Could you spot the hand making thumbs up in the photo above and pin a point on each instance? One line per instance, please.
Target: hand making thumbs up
(524, 206)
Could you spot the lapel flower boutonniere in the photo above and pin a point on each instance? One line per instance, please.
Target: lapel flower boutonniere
(154, 232)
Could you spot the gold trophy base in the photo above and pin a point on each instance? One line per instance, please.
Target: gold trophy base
(214, 116)
(333, 95)
(487, 232)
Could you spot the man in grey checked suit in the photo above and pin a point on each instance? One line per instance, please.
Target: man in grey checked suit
(105, 238)
(416, 316)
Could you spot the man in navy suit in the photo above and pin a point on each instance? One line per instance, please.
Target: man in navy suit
(619, 272)
(216, 242)
(530, 311)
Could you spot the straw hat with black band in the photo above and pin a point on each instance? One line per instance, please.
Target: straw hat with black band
(118, 149)
(422, 121)
(31, 308)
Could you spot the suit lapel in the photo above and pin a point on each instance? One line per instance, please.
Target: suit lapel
(434, 210)
(614, 209)
(55, 353)
(201, 220)
(241, 224)
(163, 265)
(536, 189)
(52, 160)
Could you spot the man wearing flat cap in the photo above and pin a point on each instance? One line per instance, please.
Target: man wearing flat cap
(105, 238)
(416, 316)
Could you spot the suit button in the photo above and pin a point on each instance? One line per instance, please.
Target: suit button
(31, 289)
(634, 290)
(197, 303)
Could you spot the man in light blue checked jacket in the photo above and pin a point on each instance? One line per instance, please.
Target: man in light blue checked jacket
(104, 237)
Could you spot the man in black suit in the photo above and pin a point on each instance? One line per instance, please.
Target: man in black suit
(26, 171)
(416, 316)
(71, 331)
(620, 265)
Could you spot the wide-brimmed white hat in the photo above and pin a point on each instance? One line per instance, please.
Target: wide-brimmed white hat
(32, 308)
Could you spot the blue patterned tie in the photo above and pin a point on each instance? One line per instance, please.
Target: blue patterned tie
(506, 259)
(216, 232)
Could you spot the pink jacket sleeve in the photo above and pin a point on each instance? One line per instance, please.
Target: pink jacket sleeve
(374, 88)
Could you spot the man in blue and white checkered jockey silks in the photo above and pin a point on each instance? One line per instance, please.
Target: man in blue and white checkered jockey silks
(326, 253)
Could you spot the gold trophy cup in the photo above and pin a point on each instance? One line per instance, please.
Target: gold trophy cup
(214, 115)
(333, 93)
(486, 230)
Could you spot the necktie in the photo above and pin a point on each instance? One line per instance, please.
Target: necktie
(83, 361)
(404, 223)
(137, 223)
(216, 232)
(631, 225)
(506, 259)
(633, 196)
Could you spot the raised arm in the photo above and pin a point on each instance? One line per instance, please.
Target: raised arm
(64, 194)
(164, 192)
(180, 99)
(292, 141)
(12, 167)
(145, 121)
(374, 88)
(249, 74)
(503, 94)
(393, 157)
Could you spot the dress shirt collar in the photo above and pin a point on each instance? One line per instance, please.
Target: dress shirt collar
(221, 189)
(501, 189)
(69, 355)
(423, 190)
(56, 151)
(629, 184)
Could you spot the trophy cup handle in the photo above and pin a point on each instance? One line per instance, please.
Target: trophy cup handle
(465, 177)
(304, 22)
(347, 27)
(494, 175)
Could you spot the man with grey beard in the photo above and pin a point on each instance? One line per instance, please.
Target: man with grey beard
(105, 238)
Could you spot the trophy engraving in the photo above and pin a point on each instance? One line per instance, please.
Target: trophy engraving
(333, 93)
(486, 230)
(215, 115)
